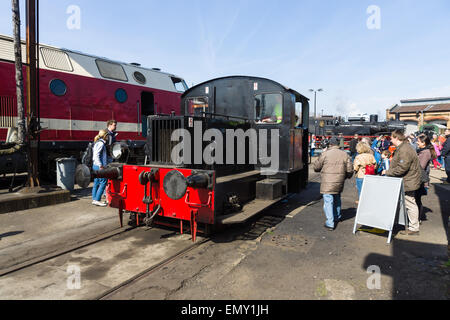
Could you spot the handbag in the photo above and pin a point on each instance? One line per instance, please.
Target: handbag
(370, 170)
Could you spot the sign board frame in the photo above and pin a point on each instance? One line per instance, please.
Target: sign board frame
(382, 204)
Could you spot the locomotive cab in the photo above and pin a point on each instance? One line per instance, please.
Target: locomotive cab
(239, 146)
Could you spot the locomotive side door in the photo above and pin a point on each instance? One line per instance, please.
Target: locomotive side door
(147, 109)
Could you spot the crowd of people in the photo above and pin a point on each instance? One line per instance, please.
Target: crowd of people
(408, 157)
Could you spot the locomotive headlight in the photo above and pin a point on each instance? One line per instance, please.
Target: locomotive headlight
(118, 150)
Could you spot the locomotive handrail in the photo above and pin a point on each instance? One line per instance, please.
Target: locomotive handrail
(196, 204)
(122, 194)
(225, 115)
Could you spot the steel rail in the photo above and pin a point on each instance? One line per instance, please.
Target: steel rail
(149, 271)
(69, 249)
(160, 265)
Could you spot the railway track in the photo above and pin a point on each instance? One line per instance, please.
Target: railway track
(264, 221)
(69, 249)
(254, 222)
(105, 295)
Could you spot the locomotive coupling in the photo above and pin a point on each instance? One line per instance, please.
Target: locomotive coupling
(146, 177)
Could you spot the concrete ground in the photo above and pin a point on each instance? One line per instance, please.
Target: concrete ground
(89, 272)
(26, 235)
(29, 234)
(288, 255)
(284, 254)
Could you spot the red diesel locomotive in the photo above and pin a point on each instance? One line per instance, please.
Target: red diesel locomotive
(211, 165)
(79, 93)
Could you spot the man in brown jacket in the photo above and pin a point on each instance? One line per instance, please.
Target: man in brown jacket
(334, 166)
(405, 164)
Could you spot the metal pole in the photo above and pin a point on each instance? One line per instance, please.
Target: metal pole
(315, 115)
(19, 72)
(33, 125)
(315, 104)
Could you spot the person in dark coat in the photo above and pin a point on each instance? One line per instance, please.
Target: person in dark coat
(445, 153)
(426, 155)
(405, 164)
(112, 137)
(353, 145)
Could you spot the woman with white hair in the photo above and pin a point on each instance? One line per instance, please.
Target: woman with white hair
(100, 159)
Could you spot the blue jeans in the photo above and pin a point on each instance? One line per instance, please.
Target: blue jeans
(312, 152)
(99, 186)
(359, 185)
(441, 161)
(332, 207)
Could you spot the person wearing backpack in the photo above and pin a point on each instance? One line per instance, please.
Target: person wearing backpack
(364, 164)
(100, 161)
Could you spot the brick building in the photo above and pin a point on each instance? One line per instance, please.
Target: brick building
(417, 113)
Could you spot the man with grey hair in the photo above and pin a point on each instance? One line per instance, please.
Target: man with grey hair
(335, 166)
(405, 164)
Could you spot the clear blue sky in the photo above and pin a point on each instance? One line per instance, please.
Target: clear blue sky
(301, 44)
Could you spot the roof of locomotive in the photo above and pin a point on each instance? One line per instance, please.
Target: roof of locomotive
(85, 65)
(249, 78)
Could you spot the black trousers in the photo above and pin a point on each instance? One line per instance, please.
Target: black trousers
(447, 168)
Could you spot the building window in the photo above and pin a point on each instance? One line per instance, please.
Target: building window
(58, 87)
(196, 106)
(111, 70)
(269, 108)
(121, 95)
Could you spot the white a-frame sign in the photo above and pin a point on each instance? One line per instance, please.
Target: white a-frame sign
(382, 204)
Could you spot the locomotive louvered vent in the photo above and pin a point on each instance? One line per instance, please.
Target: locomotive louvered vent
(162, 147)
(7, 50)
(8, 112)
(111, 70)
(56, 59)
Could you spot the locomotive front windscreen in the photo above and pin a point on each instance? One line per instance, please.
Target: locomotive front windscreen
(196, 106)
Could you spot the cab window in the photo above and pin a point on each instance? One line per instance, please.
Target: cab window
(269, 108)
(179, 84)
(298, 114)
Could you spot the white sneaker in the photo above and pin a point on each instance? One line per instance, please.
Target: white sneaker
(100, 204)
